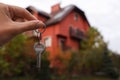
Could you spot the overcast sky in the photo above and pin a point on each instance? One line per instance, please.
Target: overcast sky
(102, 14)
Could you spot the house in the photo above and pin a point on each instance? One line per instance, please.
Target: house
(65, 27)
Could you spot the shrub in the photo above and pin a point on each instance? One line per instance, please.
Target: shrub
(17, 58)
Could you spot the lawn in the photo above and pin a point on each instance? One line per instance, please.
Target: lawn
(81, 78)
(63, 78)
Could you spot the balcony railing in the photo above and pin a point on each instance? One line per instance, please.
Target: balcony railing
(76, 33)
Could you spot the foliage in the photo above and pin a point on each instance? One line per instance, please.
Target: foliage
(91, 51)
(96, 54)
(17, 58)
(108, 67)
(82, 61)
(59, 62)
(10, 57)
(94, 40)
(81, 77)
(88, 60)
(116, 60)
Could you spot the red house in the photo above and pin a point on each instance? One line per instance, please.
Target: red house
(66, 27)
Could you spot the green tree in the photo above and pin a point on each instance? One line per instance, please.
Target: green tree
(89, 58)
(17, 58)
(93, 40)
(10, 55)
(95, 54)
(91, 51)
(108, 67)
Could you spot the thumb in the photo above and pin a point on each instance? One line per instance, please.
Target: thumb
(30, 25)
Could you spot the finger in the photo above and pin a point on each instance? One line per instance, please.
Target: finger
(29, 25)
(20, 20)
(20, 12)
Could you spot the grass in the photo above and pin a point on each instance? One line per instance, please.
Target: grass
(89, 78)
(62, 78)
(80, 78)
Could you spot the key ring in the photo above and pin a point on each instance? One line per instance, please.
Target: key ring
(44, 28)
(40, 33)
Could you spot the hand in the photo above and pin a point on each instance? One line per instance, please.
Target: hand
(15, 20)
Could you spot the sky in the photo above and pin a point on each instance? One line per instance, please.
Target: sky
(102, 14)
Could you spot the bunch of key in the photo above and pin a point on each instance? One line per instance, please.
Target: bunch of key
(39, 47)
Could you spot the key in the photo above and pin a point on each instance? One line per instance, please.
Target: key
(39, 49)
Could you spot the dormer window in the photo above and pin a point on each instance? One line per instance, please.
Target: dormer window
(75, 16)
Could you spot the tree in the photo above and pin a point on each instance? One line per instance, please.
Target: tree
(96, 54)
(84, 60)
(17, 58)
(94, 40)
(108, 67)
(91, 50)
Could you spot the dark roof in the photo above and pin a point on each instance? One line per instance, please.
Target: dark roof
(31, 9)
(58, 16)
(44, 14)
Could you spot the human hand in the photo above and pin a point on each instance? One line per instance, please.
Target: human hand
(15, 20)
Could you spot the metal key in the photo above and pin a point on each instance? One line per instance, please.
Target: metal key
(39, 49)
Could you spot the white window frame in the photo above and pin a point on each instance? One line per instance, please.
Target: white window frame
(48, 43)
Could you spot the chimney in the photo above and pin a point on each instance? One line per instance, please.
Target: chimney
(55, 8)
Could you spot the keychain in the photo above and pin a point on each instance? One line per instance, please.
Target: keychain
(39, 47)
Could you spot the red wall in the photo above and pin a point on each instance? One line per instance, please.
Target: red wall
(51, 31)
(69, 21)
(62, 28)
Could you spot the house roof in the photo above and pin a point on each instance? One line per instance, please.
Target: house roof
(31, 9)
(58, 16)
(44, 14)
(62, 13)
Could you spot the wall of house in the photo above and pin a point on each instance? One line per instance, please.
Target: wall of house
(69, 21)
(62, 28)
(51, 31)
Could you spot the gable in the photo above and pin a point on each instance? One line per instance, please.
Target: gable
(60, 15)
(57, 16)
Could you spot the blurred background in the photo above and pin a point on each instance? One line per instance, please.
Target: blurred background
(81, 39)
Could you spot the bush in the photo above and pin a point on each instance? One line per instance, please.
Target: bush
(17, 58)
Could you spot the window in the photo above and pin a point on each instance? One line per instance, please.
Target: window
(76, 17)
(77, 32)
(70, 30)
(48, 41)
(62, 44)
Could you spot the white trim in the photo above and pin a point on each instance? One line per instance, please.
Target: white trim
(48, 41)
